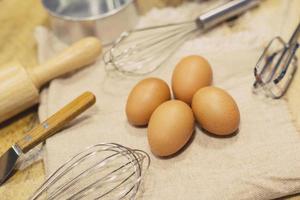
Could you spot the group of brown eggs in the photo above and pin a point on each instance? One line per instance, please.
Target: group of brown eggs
(170, 122)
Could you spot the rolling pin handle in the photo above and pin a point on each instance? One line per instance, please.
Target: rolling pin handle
(78, 55)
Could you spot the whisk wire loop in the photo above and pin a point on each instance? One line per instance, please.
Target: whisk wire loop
(142, 51)
(103, 171)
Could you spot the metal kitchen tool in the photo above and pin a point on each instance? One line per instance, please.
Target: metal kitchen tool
(276, 67)
(42, 132)
(143, 50)
(103, 171)
(72, 20)
(19, 87)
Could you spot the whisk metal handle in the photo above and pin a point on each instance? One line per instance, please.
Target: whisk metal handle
(225, 12)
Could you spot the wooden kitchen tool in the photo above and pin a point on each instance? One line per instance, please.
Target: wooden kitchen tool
(19, 88)
(43, 131)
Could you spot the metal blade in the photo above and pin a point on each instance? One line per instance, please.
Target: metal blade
(8, 161)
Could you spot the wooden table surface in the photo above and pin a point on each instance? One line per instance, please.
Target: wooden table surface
(18, 18)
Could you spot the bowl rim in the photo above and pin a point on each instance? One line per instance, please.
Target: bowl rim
(91, 18)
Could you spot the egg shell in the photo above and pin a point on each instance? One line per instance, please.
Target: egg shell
(170, 127)
(190, 74)
(216, 111)
(144, 98)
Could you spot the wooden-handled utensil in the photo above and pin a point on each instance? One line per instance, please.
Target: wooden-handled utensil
(19, 88)
(43, 131)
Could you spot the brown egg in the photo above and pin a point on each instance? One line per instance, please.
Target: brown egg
(170, 127)
(144, 98)
(216, 111)
(190, 74)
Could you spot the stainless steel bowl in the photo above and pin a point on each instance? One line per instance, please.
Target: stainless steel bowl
(106, 19)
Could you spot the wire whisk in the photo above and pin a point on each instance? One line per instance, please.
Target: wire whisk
(103, 171)
(146, 49)
(276, 67)
(142, 51)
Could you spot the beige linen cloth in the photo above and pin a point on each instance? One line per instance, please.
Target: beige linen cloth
(261, 162)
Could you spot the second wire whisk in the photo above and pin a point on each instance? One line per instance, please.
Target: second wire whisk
(103, 171)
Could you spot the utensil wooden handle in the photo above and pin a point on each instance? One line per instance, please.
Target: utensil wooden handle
(80, 54)
(56, 121)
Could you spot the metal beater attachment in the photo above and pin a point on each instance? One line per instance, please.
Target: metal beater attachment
(276, 67)
(104, 171)
(142, 51)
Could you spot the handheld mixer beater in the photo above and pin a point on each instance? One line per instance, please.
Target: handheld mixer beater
(103, 171)
(276, 67)
(141, 51)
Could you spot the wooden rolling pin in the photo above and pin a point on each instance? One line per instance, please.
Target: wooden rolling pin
(19, 88)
